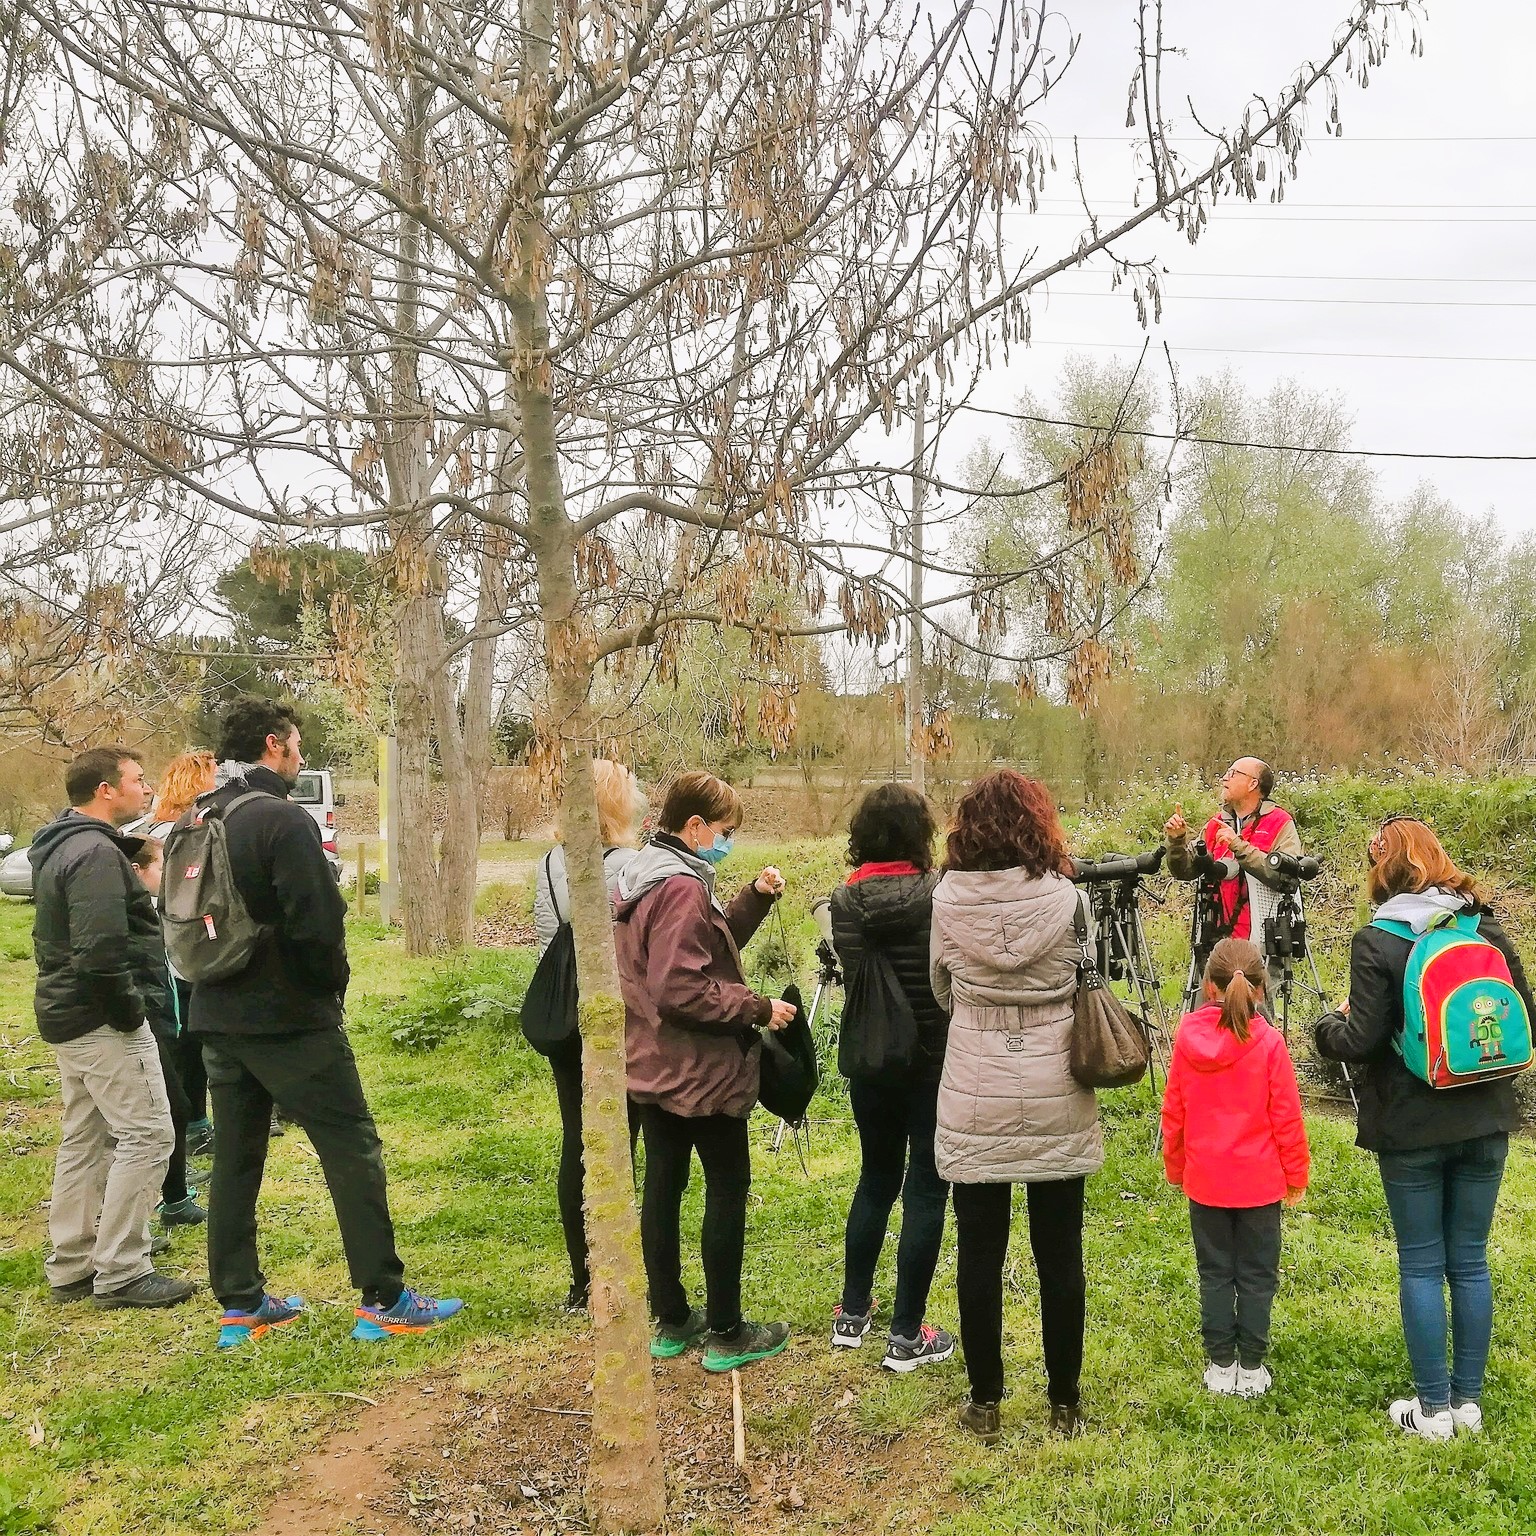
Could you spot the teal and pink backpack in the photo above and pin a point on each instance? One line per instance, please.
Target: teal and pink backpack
(1463, 1020)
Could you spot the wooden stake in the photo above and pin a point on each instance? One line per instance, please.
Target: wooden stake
(738, 1423)
(362, 877)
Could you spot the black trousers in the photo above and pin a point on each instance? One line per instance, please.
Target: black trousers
(188, 1053)
(982, 1216)
(314, 1076)
(174, 1188)
(896, 1124)
(1237, 1253)
(570, 1183)
(670, 1142)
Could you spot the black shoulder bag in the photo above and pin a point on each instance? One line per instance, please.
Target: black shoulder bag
(549, 1008)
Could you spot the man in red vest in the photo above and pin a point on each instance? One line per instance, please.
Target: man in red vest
(1248, 828)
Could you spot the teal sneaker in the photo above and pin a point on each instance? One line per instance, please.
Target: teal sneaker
(182, 1213)
(237, 1327)
(744, 1344)
(672, 1339)
(412, 1313)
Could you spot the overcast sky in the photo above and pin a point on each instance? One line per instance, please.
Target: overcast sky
(1422, 218)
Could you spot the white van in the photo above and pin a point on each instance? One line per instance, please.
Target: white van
(317, 795)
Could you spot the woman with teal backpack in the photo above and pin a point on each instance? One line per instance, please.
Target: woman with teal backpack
(1441, 1149)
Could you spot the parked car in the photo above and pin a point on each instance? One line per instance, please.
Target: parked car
(16, 874)
(317, 794)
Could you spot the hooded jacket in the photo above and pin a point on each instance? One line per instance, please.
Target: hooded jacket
(1004, 961)
(690, 1020)
(1233, 1135)
(893, 913)
(297, 978)
(552, 889)
(1398, 1111)
(95, 933)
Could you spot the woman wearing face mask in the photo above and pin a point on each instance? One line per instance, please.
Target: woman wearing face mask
(691, 1027)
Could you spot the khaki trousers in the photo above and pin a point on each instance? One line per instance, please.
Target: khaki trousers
(114, 1145)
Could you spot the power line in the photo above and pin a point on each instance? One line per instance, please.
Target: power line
(1172, 294)
(1355, 277)
(1407, 357)
(1218, 212)
(1230, 442)
(1210, 141)
(1289, 203)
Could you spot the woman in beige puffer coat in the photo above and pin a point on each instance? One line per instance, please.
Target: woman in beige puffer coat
(1004, 962)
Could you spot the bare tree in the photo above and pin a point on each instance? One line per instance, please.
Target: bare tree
(639, 290)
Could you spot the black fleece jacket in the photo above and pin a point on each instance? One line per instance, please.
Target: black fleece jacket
(894, 913)
(297, 979)
(1398, 1111)
(94, 931)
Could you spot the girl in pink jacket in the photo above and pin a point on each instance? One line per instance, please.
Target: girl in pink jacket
(1234, 1142)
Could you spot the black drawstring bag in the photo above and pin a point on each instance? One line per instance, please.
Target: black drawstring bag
(549, 1008)
(878, 1037)
(790, 1074)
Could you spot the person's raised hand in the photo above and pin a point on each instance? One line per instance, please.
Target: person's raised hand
(783, 1013)
(1222, 835)
(1176, 828)
(770, 882)
(1294, 1196)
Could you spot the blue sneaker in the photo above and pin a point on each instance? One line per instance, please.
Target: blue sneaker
(235, 1327)
(412, 1313)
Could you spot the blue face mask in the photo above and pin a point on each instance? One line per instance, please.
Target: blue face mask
(717, 850)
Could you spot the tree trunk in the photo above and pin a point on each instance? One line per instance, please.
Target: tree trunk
(626, 1483)
(420, 894)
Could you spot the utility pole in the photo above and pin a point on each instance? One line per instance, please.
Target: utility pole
(917, 759)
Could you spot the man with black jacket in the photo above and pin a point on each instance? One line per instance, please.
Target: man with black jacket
(273, 1035)
(95, 924)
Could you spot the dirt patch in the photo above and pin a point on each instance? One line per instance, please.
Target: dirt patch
(354, 1479)
(508, 1458)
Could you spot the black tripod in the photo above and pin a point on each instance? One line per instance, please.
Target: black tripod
(1114, 888)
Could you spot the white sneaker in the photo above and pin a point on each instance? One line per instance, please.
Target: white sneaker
(1254, 1383)
(1407, 1413)
(1468, 1418)
(1221, 1378)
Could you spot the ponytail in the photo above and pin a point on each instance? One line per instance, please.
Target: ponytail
(1236, 970)
(1237, 1006)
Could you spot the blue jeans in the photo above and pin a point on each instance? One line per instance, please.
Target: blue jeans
(1442, 1200)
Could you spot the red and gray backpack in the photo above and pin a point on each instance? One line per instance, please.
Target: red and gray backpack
(209, 933)
(1463, 1020)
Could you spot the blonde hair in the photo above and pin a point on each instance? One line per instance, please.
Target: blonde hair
(1236, 970)
(185, 778)
(621, 803)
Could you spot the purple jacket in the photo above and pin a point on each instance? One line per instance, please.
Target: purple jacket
(690, 1020)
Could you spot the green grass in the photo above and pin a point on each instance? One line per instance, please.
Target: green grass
(146, 1430)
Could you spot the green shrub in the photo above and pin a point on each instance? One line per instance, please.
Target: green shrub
(485, 988)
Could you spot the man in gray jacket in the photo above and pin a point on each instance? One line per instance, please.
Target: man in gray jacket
(94, 923)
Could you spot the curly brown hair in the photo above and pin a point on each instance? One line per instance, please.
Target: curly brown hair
(1008, 821)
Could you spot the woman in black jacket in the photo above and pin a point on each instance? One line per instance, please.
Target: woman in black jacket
(880, 923)
(1441, 1150)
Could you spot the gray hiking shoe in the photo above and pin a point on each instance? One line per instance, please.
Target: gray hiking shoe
(849, 1328)
(932, 1346)
(76, 1290)
(151, 1290)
